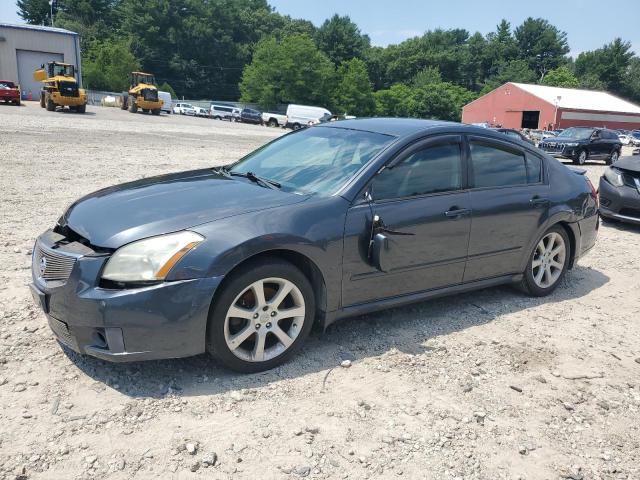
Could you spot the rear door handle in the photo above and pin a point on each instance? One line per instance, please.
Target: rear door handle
(456, 212)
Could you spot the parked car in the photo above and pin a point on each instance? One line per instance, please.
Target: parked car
(514, 134)
(624, 139)
(327, 222)
(272, 119)
(584, 143)
(635, 138)
(225, 112)
(620, 191)
(201, 112)
(167, 102)
(9, 92)
(249, 115)
(184, 109)
(299, 116)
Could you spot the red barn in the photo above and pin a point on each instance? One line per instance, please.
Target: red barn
(519, 105)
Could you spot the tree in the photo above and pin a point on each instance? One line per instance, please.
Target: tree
(607, 64)
(513, 71)
(36, 12)
(165, 87)
(561, 77)
(111, 66)
(341, 39)
(542, 45)
(290, 71)
(353, 93)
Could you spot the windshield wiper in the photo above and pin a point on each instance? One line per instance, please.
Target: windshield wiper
(272, 184)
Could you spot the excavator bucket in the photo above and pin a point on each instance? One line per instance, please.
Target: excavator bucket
(40, 75)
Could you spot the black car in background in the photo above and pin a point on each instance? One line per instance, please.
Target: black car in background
(509, 132)
(249, 115)
(337, 220)
(620, 191)
(580, 144)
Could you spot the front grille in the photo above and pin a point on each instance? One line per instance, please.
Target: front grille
(552, 147)
(150, 95)
(61, 331)
(68, 89)
(51, 266)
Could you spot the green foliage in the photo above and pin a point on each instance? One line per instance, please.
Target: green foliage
(341, 39)
(289, 71)
(353, 94)
(542, 45)
(36, 12)
(608, 65)
(165, 87)
(561, 77)
(513, 71)
(111, 66)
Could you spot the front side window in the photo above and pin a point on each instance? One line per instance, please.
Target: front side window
(314, 160)
(434, 169)
(494, 166)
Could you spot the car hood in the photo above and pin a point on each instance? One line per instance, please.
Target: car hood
(114, 216)
(628, 163)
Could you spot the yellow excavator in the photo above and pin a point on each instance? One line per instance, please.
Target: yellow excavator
(142, 94)
(60, 87)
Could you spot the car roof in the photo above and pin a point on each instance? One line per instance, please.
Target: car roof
(401, 127)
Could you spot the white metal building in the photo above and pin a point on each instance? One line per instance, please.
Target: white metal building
(24, 48)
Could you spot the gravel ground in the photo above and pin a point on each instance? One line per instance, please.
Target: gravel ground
(487, 385)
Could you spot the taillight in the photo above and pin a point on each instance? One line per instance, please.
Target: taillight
(594, 192)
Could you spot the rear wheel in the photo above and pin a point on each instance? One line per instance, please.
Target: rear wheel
(262, 316)
(613, 158)
(81, 108)
(155, 111)
(50, 105)
(548, 263)
(133, 107)
(17, 102)
(273, 122)
(581, 158)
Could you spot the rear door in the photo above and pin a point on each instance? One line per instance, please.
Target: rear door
(509, 201)
(424, 206)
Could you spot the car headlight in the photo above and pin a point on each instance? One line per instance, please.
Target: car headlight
(150, 259)
(613, 176)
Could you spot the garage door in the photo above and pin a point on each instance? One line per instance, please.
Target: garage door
(28, 62)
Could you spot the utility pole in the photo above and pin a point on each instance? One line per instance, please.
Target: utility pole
(51, 10)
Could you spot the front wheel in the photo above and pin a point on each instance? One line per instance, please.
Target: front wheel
(50, 105)
(613, 158)
(262, 316)
(581, 159)
(547, 263)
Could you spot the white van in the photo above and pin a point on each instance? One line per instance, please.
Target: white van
(299, 116)
(167, 103)
(225, 112)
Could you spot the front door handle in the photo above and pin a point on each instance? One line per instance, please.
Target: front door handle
(455, 212)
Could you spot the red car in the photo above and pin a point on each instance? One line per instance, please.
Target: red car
(9, 92)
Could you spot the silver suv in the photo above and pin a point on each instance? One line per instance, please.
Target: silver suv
(225, 112)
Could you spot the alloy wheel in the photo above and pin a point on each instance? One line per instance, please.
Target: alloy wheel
(582, 157)
(264, 320)
(548, 260)
(614, 157)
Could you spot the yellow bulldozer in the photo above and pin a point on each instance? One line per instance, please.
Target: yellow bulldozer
(142, 94)
(60, 87)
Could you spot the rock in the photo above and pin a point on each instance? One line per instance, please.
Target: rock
(313, 430)
(516, 388)
(90, 459)
(603, 404)
(19, 387)
(567, 405)
(540, 379)
(209, 459)
(555, 373)
(522, 450)
(302, 470)
(191, 448)
(345, 364)
(194, 466)
(119, 464)
(637, 360)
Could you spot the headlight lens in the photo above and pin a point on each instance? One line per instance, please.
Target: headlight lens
(150, 259)
(613, 176)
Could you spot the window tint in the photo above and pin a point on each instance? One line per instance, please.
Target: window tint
(496, 167)
(534, 169)
(434, 169)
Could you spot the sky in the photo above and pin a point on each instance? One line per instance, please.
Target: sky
(391, 22)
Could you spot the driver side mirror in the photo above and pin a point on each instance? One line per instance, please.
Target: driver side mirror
(379, 248)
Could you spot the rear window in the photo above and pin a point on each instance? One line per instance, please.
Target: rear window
(6, 85)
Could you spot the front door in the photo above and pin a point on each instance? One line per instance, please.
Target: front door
(420, 200)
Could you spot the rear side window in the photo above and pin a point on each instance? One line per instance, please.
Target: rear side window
(433, 169)
(494, 166)
(534, 169)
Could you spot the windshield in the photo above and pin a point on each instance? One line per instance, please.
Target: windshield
(6, 85)
(576, 133)
(63, 70)
(314, 160)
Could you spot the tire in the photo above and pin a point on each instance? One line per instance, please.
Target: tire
(237, 293)
(81, 108)
(125, 102)
(581, 158)
(533, 282)
(42, 102)
(17, 102)
(155, 111)
(613, 158)
(51, 107)
(133, 107)
(273, 122)
(297, 126)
